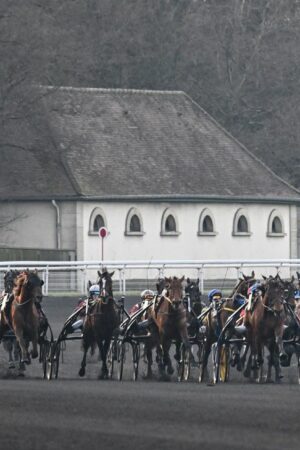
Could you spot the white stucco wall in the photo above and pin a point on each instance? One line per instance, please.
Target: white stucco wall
(36, 228)
(188, 245)
(34, 225)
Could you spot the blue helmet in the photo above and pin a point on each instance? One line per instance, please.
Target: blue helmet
(94, 289)
(297, 294)
(214, 293)
(254, 287)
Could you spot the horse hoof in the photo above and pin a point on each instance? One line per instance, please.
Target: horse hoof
(246, 373)
(26, 361)
(34, 355)
(11, 365)
(170, 370)
(269, 381)
(285, 359)
(103, 376)
(81, 372)
(164, 377)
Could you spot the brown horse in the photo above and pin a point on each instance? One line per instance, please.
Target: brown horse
(168, 317)
(264, 321)
(23, 317)
(216, 317)
(100, 322)
(10, 343)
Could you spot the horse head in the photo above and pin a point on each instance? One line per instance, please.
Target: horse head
(160, 285)
(193, 291)
(274, 294)
(105, 284)
(174, 290)
(29, 285)
(243, 285)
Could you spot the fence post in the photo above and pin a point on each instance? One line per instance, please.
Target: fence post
(46, 281)
(201, 278)
(84, 280)
(124, 281)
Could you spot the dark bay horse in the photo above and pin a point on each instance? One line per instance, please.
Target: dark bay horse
(23, 317)
(100, 323)
(168, 316)
(265, 326)
(217, 315)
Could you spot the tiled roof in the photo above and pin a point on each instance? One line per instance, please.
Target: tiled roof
(113, 143)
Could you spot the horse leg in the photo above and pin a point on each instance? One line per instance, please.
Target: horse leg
(35, 338)
(103, 349)
(244, 351)
(247, 371)
(25, 358)
(160, 363)
(177, 350)
(166, 357)
(149, 360)
(276, 362)
(8, 346)
(283, 356)
(86, 346)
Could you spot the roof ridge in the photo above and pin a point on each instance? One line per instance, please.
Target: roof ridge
(112, 90)
(242, 146)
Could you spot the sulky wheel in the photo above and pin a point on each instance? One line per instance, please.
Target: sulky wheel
(201, 353)
(121, 353)
(224, 362)
(52, 363)
(112, 357)
(135, 359)
(184, 364)
(45, 348)
(221, 359)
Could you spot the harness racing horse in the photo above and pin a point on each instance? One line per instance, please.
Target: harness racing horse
(100, 322)
(264, 321)
(168, 314)
(10, 343)
(23, 316)
(216, 317)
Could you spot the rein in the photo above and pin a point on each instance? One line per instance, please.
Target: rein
(23, 303)
(160, 303)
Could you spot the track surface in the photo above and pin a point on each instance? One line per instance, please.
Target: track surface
(75, 413)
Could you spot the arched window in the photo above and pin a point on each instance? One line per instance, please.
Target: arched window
(275, 225)
(98, 223)
(206, 225)
(169, 223)
(97, 220)
(241, 223)
(134, 223)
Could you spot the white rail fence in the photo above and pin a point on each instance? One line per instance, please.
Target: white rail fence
(72, 277)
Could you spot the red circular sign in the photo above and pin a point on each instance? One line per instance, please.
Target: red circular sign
(103, 232)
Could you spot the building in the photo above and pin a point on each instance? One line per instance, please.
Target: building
(165, 178)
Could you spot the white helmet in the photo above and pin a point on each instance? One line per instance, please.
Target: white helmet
(147, 293)
(94, 289)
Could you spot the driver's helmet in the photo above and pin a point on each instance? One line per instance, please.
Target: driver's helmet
(147, 294)
(297, 294)
(254, 288)
(214, 294)
(94, 290)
